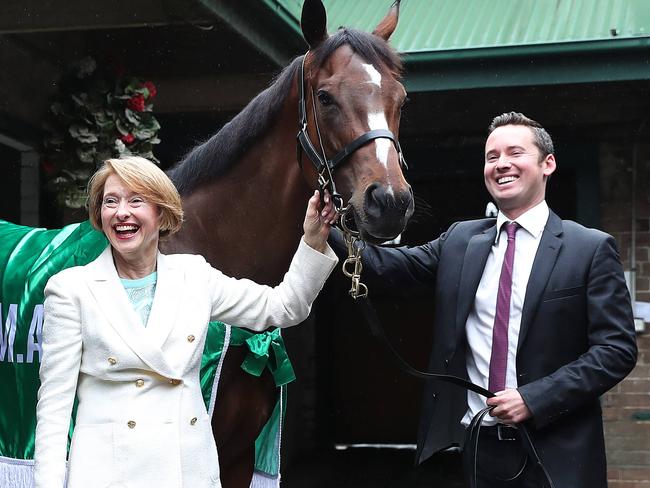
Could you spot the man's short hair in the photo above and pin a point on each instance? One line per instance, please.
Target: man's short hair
(542, 138)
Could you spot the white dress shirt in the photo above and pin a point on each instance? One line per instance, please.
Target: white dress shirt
(480, 322)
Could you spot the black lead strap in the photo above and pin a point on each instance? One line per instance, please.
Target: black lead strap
(370, 314)
(470, 456)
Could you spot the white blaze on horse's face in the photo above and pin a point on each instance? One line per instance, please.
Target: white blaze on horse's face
(377, 120)
(375, 76)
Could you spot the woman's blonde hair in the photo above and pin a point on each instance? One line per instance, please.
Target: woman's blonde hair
(143, 177)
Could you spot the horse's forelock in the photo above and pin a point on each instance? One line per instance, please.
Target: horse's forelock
(369, 47)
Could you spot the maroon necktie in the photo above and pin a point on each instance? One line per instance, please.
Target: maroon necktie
(499, 356)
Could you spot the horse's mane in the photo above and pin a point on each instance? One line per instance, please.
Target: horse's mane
(215, 156)
(212, 158)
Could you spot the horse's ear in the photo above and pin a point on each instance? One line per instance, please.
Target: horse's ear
(313, 22)
(387, 26)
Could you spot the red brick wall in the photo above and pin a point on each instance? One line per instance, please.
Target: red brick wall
(627, 433)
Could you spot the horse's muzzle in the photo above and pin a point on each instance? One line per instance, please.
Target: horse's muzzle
(385, 212)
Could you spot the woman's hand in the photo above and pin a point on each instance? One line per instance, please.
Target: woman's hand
(319, 221)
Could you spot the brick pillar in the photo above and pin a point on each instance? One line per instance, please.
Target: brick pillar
(626, 408)
(627, 425)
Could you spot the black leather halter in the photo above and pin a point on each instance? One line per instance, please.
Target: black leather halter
(324, 166)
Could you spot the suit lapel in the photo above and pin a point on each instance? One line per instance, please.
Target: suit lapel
(476, 255)
(166, 302)
(112, 299)
(547, 253)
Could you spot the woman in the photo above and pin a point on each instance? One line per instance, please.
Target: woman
(125, 334)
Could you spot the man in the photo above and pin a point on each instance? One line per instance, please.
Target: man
(536, 311)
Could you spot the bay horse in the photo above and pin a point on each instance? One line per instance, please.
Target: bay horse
(245, 192)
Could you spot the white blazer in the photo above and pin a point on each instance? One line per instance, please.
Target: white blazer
(141, 420)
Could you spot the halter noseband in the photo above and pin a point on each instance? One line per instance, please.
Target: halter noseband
(324, 166)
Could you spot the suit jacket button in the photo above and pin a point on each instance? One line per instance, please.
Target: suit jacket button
(193, 420)
(131, 424)
(139, 383)
(190, 338)
(175, 382)
(112, 361)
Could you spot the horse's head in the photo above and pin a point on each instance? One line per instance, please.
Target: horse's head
(352, 88)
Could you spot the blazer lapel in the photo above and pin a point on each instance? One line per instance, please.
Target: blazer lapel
(105, 285)
(547, 253)
(166, 302)
(476, 255)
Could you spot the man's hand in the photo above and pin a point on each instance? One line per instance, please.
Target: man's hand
(509, 407)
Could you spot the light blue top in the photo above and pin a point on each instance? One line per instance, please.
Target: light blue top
(141, 292)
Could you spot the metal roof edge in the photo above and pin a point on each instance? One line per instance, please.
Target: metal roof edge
(591, 46)
(595, 66)
(262, 26)
(284, 14)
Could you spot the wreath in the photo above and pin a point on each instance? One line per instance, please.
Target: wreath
(97, 115)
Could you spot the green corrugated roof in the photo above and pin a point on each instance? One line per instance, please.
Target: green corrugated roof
(445, 25)
(465, 44)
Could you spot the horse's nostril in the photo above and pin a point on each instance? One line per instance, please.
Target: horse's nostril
(381, 202)
(385, 212)
(375, 200)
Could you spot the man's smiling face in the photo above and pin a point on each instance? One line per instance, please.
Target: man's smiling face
(514, 172)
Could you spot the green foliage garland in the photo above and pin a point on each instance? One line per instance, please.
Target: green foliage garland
(96, 116)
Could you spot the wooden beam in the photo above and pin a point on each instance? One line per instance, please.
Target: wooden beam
(24, 16)
(15, 144)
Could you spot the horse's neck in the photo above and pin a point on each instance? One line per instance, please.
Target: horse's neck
(248, 222)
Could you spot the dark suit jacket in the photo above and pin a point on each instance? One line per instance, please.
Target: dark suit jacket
(576, 339)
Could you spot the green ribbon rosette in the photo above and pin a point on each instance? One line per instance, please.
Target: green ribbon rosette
(258, 357)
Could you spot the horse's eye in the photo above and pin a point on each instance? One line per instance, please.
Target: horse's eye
(325, 98)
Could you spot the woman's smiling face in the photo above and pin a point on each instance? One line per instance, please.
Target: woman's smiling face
(130, 223)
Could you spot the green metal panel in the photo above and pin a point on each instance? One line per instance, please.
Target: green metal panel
(630, 61)
(465, 44)
(441, 25)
